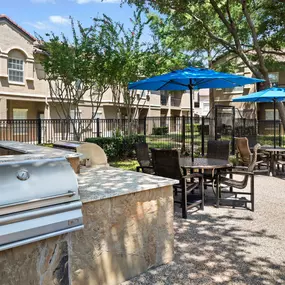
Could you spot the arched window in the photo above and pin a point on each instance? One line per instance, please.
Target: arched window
(16, 63)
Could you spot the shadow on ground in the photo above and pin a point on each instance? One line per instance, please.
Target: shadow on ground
(225, 246)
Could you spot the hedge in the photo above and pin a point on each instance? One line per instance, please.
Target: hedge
(117, 148)
(195, 128)
(160, 131)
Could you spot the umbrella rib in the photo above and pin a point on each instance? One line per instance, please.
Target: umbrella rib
(171, 81)
(203, 81)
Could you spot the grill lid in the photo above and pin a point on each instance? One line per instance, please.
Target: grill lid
(39, 199)
(31, 184)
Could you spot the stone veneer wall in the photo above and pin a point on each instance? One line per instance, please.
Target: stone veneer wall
(123, 237)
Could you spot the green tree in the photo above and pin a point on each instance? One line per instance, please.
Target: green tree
(76, 71)
(251, 31)
(133, 59)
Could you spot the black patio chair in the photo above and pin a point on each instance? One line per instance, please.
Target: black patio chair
(226, 184)
(143, 158)
(217, 150)
(166, 164)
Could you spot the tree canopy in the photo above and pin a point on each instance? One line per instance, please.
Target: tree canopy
(250, 33)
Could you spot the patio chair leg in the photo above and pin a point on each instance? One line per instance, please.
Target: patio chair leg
(175, 191)
(218, 191)
(231, 188)
(184, 199)
(252, 192)
(202, 193)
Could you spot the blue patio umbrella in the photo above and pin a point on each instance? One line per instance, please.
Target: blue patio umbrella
(274, 94)
(192, 78)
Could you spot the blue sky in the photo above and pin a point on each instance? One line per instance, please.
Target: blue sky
(43, 16)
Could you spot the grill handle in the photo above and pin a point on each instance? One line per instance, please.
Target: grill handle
(68, 194)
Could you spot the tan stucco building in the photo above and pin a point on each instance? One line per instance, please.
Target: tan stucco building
(24, 94)
(260, 111)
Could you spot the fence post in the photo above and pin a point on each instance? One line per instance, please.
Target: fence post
(233, 131)
(98, 127)
(280, 143)
(183, 135)
(39, 129)
(203, 136)
(144, 126)
(216, 122)
(63, 125)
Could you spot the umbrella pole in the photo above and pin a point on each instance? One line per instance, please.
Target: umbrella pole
(191, 121)
(274, 112)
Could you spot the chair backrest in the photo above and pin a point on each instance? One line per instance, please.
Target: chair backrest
(243, 150)
(166, 163)
(218, 149)
(252, 140)
(142, 153)
(252, 163)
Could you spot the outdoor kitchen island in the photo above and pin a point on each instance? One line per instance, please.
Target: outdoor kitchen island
(128, 228)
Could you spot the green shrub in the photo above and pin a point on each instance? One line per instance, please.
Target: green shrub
(206, 129)
(195, 128)
(160, 131)
(118, 147)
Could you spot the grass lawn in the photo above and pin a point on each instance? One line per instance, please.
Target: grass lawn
(129, 164)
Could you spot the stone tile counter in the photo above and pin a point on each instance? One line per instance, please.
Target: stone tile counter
(13, 151)
(128, 228)
(111, 182)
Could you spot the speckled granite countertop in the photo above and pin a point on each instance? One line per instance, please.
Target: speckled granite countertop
(106, 182)
(31, 151)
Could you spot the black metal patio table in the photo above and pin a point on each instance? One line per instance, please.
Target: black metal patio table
(202, 164)
(273, 156)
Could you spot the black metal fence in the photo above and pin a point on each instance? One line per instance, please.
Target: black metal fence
(166, 132)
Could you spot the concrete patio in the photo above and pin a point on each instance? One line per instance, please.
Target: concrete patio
(229, 246)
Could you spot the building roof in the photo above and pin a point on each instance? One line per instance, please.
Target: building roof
(15, 25)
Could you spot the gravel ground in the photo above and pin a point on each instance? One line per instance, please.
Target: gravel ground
(229, 246)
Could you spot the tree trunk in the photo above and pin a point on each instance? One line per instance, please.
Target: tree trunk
(281, 109)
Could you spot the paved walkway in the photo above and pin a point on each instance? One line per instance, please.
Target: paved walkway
(229, 246)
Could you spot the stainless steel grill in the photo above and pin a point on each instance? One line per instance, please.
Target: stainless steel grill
(39, 199)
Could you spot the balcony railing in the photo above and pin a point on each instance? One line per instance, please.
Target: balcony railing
(175, 102)
(163, 100)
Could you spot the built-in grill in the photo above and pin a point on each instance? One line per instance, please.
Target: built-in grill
(38, 199)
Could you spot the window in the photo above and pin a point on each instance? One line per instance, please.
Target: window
(237, 89)
(20, 114)
(78, 84)
(20, 127)
(197, 104)
(269, 114)
(16, 70)
(274, 78)
(98, 115)
(206, 106)
(75, 115)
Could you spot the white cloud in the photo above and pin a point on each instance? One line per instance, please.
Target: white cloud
(43, 1)
(97, 1)
(39, 25)
(59, 20)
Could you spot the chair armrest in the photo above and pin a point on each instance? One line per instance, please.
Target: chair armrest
(242, 172)
(193, 175)
(240, 167)
(138, 168)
